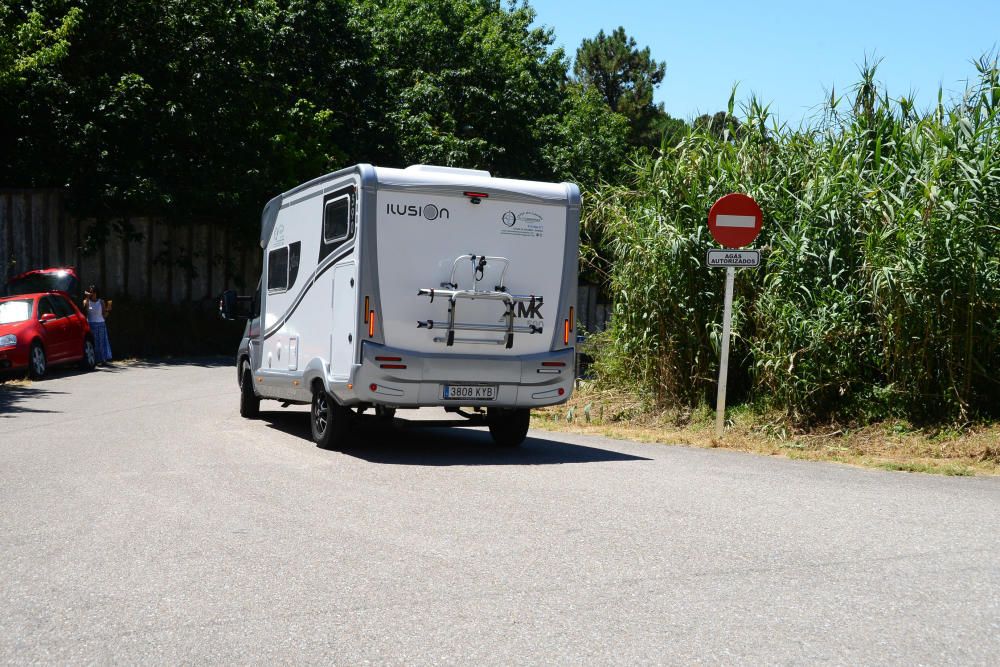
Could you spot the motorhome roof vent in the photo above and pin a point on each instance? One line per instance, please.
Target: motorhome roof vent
(432, 169)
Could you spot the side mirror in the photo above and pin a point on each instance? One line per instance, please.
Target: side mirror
(233, 307)
(47, 317)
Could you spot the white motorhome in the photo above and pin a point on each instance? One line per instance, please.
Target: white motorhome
(405, 288)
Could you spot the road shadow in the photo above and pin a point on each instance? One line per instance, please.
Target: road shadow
(199, 362)
(15, 397)
(435, 444)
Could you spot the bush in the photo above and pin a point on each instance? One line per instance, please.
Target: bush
(879, 291)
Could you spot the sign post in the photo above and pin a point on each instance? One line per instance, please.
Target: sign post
(734, 221)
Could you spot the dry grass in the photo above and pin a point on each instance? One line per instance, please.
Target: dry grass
(895, 445)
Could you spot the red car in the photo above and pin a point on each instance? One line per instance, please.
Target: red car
(43, 329)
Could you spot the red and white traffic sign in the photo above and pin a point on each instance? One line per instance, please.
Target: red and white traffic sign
(735, 220)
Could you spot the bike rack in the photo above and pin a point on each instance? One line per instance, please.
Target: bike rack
(451, 291)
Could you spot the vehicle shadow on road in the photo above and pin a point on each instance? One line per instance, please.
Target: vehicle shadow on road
(15, 397)
(404, 443)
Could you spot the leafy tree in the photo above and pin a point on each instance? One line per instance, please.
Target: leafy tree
(626, 77)
(589, 141)
(463, 82)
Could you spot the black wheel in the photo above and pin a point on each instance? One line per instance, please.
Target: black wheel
(37, 362)
(509, 427)
(385, 414)
(89, 360)
(249, 402)
(329, 421)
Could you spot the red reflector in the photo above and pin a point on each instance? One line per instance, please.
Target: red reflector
(554, 363)
(392, 366)
(373, 387)
(477, 195)
(561, 391)
(388, 358)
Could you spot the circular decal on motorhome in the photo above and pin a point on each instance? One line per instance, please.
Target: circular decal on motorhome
(431, 212)
(509, 218)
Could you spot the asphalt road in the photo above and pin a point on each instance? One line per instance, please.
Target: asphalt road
(142, 520)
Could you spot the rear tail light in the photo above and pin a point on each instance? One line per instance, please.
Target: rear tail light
(397, 366)
(568, 326)
(388, 358)
(560, 364)
(371, 323)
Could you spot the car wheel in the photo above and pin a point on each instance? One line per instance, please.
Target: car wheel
(89, 360)
(328, 420)
(249, 402)
(37, 362)
(509, 428)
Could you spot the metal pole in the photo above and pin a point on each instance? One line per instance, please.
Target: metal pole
(727, 318)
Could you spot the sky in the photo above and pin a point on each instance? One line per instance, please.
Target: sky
(789, 54)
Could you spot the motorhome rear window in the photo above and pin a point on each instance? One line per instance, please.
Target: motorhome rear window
(277, 270)
(337, 219)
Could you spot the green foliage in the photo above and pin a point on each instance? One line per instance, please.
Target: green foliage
(207, 108)
(626, 76)
(879, 292)
(463, 83)
(589, 141)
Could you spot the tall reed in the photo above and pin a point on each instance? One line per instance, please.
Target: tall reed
(879, 292)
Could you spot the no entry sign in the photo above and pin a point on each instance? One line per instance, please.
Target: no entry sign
(735, 220)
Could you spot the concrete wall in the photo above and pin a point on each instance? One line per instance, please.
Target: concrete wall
(140, 257)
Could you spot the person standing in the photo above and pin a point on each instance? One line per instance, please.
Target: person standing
(94, 308)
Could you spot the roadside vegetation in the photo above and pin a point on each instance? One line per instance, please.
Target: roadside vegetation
(888, 444)
(879, 293)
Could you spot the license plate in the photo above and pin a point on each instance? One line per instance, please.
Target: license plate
(470, 392)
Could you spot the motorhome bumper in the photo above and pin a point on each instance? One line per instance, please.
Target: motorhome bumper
(418, 379)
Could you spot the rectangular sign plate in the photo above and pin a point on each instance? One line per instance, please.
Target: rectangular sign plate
(470, 392)
(737, 258)
(746, 221)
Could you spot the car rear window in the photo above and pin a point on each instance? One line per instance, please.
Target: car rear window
(17, 310)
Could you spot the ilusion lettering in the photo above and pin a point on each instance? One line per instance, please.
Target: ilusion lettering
(428, 211)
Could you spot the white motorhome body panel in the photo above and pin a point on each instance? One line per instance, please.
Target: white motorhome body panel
(297, 317)
(343, 322)
(421, 235)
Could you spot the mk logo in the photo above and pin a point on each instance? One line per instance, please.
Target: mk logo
(529, 310)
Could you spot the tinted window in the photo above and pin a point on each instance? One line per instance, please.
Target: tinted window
(277, 270)
(294, 251)
(63, 308)
(45, 307)
(337, 219)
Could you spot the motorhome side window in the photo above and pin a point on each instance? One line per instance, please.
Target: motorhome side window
(283, 267)
(337, 219)
(277, 270)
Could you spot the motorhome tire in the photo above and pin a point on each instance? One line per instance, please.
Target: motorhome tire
(385, 414)
(509, 427)
(249, 402)
(328, 421)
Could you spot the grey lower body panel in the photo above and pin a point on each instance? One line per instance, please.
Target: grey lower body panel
(523, 381)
